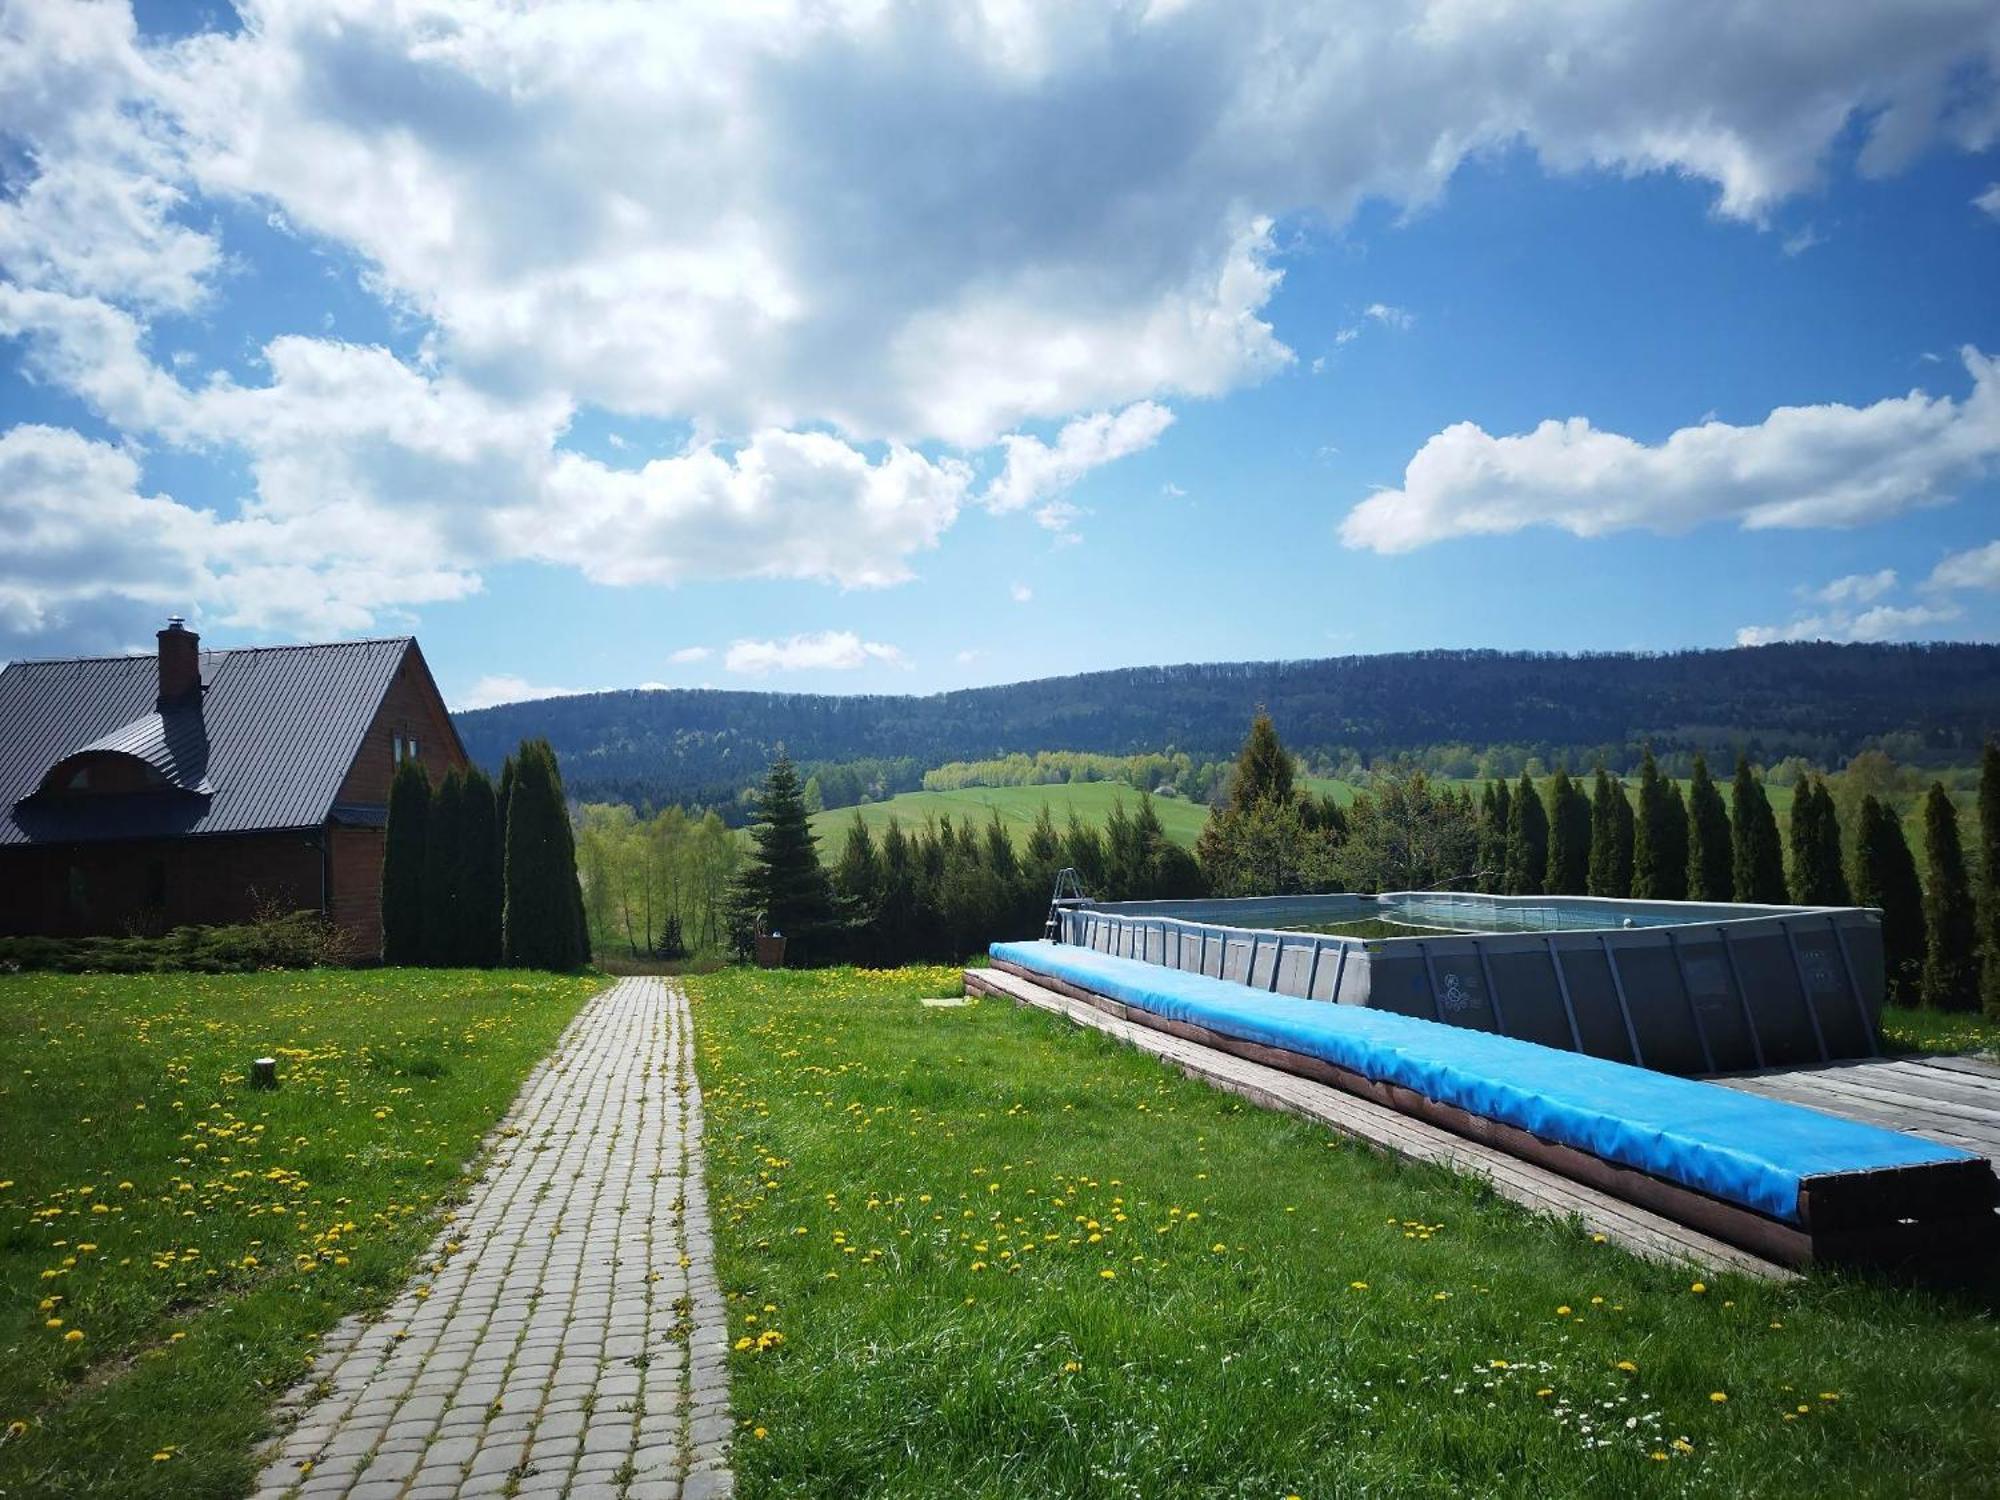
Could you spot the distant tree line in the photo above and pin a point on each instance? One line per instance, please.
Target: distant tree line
(655, 887)
(1455, 714)
(936, 892)
(474, 876)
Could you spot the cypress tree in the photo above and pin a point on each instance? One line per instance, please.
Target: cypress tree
(1832, 860)
(1989, 880)
(783, 877)
(1527, 840)
(1496, 813)
(1711, 856)
(1757, 863)
(1674, 857)
(544, 922)
(1884, 875)
(480, 894)
(857, 887)
(441, 943)
(1656, 874)
(403, 864)
(1569, 838)
(1627, 831)
(1951, 971)
(1604, 795)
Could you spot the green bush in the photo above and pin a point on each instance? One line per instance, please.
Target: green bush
(298, 940)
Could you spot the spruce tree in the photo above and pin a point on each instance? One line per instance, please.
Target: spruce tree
(1263, 769)
(1655, 871)
(1884, 875)
(857, 889)
(1569, 838)
(1951, 970)
(1989, 880)
(1757, 863)
(1527, 840)
(1832, 858)
(783, 877)
(1711, 857)
(403, 864)
(440, 943)
(545, 922)
(1604, 793)
(480, 893)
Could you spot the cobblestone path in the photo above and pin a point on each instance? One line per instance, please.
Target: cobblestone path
(565, 1335)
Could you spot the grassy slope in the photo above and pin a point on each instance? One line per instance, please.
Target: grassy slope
(1018, 807)
(1223, 1301)
(200, 1236)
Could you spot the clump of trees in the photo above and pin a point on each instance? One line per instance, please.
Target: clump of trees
(1269, 837)
(471, 876)
(656, 887)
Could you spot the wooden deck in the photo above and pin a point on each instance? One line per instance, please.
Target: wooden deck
(1953, 1100)
(1625, 1224)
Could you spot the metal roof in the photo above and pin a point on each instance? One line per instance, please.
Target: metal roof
(277, 729)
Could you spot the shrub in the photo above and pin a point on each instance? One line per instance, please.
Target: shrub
(297, 940)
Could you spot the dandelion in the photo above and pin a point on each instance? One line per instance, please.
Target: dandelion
(1108, 1274)
(1628, 1367)
(1718, 1396)
(1563, 1311)
(760, 1433)
(75, 1335)
(1699, 1287)
(1357, 1286)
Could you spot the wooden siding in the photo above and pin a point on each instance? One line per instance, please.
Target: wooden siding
(354, 896)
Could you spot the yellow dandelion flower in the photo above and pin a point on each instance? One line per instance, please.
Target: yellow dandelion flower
(1563, 1311)
(73, 1336)
(1628, 1367)
(1718, 1396)
(1358, 1286)
(1698, 1288)
(1108, 1274)
(760, 1433)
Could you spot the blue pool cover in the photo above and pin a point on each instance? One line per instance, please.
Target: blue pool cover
(1731, 1145)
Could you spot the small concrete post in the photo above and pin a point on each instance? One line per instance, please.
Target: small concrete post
(264, 1073)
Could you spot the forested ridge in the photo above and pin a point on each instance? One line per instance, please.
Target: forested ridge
(1933, 703)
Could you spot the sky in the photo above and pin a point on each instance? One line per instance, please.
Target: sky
(831, 345)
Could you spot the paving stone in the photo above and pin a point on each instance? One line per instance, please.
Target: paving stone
(547, 1303)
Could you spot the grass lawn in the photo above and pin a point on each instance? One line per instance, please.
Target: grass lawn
(172, 1243)
(1909, 1030)
(980, 1252)
(1018, 807)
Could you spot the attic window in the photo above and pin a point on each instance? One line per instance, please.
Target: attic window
(406, 748)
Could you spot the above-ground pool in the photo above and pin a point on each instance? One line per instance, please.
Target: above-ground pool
(1681, 986)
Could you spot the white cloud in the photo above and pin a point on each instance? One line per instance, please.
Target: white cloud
(1802, 466)
(1390, 317)
(1884, 622)
(826, 651)
(690, 654)
(1855, 588)
(1976, 568)
(1038, 471)
(1989, 201)
(822, 236)
(925, 221)
(1020, 593)
(503, 688)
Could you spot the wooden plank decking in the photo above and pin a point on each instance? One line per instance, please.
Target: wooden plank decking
(1954, 1100)
(1635, 1229)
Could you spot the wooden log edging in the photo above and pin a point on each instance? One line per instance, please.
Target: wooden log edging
(1874, 1217)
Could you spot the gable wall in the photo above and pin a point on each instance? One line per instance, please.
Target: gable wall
(410, 707)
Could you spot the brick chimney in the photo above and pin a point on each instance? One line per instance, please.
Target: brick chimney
(180, 664)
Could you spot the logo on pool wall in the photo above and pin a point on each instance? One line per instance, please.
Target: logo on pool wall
(1457, 994)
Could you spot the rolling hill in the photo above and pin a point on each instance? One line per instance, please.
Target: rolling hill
(1935, 703)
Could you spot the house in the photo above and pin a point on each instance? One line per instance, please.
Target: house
(140, 793)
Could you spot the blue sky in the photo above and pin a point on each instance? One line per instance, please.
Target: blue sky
(851, 350)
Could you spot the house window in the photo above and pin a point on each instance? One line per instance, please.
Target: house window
(406, 748)
(412, 742)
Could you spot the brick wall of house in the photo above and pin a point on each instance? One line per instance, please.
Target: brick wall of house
(411, 709)
(93, 890)
(355, 895)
